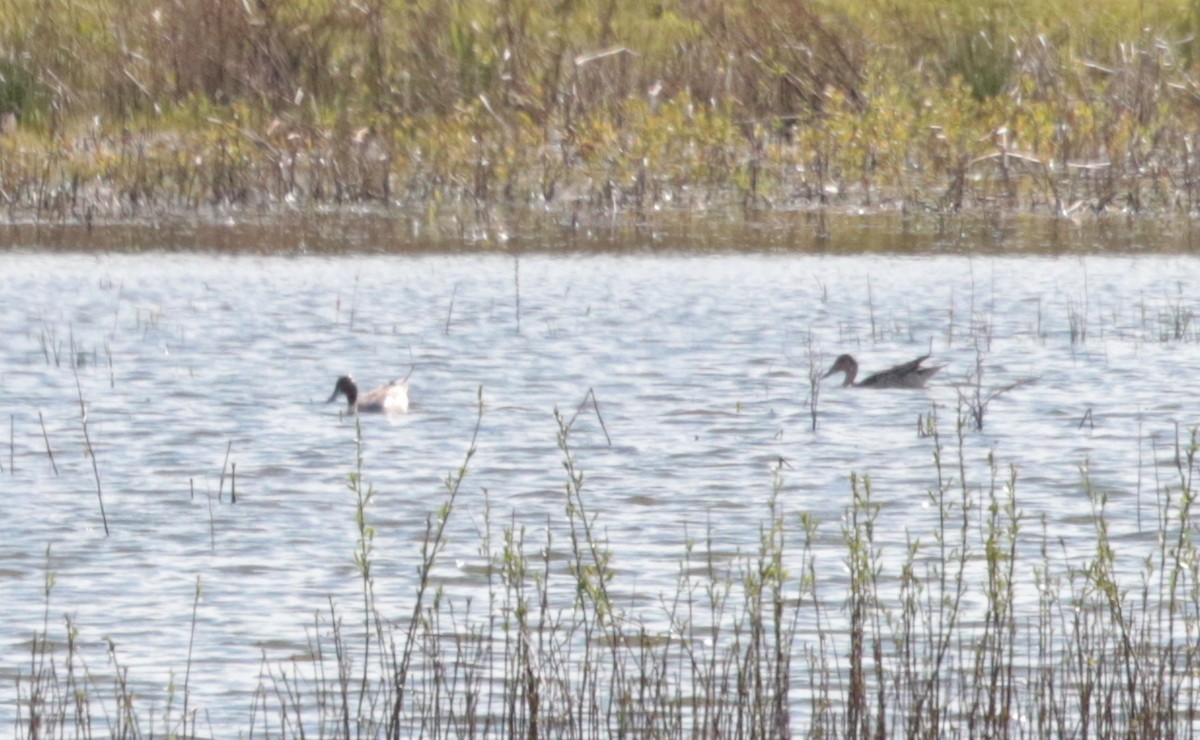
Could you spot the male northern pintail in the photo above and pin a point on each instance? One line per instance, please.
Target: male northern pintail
(389, 398)
(906, 375)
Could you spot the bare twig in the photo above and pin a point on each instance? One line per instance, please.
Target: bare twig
(91, 452)
(814, 378)
(450, 310)
(591, 395)
(46, 438)
(224, 465)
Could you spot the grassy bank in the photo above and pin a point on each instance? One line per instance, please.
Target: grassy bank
(125, 109)
(983, 625)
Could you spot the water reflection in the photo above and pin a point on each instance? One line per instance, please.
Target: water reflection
(433, 232)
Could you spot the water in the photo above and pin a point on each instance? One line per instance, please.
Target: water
(698, 365)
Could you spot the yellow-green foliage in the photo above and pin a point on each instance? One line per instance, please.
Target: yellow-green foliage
(942, 102)
(543, 55)
(1095, 29)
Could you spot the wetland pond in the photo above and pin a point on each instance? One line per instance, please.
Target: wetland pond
(683, 376)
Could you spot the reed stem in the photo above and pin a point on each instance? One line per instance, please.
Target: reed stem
(83, 417)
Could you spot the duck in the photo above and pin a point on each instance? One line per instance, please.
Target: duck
(905, 375)
(392, 397)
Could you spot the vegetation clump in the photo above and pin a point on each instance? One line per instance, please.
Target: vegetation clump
(981, 624)
(119, 109)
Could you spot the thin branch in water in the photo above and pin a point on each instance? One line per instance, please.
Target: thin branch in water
(91, 452)
(224, 465)
(815, 363)
(116, 314)
(450, 310)
(871, 309)
(591, 395)
(517, 288)
(46, 438)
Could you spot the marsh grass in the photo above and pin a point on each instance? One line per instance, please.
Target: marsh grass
(1175, 319)
(981, 624)
(135, 108)
(815, 360)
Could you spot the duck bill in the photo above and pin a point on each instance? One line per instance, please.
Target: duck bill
(333, 397)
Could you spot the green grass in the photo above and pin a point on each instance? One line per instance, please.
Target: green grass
(138, 107)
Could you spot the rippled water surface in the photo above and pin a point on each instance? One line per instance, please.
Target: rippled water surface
(191, 364)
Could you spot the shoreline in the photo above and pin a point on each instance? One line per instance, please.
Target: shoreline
(334, 230)
(475, 122)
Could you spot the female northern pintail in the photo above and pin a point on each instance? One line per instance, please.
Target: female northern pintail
(906, 375)
(389, 398)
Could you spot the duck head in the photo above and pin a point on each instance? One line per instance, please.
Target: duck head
(844, 364)
(345, 385)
